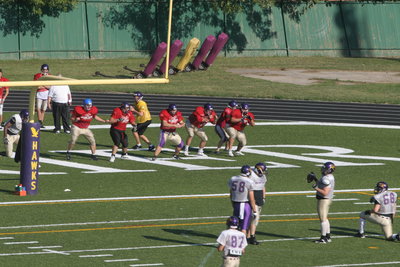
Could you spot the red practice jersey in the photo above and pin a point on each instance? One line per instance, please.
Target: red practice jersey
(197, 117)
(123, 119)
(171, 119)
(225, 117)
(86, 117)
(36, 77)
(237, 113)
(2, 79)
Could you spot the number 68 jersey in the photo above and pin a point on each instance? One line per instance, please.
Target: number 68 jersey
(387, 200)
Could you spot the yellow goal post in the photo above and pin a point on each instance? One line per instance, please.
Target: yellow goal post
(69, 81)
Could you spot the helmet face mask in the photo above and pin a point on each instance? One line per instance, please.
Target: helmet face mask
(244, 106)
(232, 104)
(44, 68)
(24, 115)
(328, 168)
(232, 222)
(260, 169)
(246, 170)
(381, 187)
(125, 107)
(172, 109)
(137, 95)
(87, 104)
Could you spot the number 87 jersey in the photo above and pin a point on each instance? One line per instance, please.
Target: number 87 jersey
(240, 186)
(387, 201)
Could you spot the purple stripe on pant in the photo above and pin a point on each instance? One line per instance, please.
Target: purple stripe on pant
(242, 210)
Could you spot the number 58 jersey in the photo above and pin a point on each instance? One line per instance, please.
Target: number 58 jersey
(387, 200)
(239, 187)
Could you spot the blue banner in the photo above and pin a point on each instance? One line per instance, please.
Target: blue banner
(29, 172)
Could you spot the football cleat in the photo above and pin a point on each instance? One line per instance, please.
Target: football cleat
(201, 154)
(68, 156)
(253, 241)
(186, 153)
(322, 240)
(230, 153)
(360, 235)
(112, 158)
(176, 157)
(239, 153)
(67, 131)
(151, 147)
(124, 156)
(153, 159)
(93, 157)
(137, 147)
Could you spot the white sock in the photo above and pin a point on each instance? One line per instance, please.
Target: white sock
(325, 228)
(186, 148)
(362, 223)
(201, 150)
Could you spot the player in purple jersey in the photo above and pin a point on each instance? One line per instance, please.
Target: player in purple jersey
(242, 197)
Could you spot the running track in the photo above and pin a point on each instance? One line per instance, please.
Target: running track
(264, 109)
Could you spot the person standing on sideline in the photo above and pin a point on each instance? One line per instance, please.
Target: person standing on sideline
(3, 95)
(258, 176)
(81, 118)
(382, 213)
(143, 119)
(120, 117)
(59, 101)
(232, 243)
(171, 119)
(221, 125)
(242, 197)
(42, 94)
(324, 188)
(240, 118)
(12, 129)
(194, 126)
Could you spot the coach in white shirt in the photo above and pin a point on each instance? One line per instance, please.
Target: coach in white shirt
(59, 102)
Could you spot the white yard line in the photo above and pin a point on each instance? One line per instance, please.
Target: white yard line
(148, 264)
(172, 197)
(8, 237)
(362, 264)
(121, 260)
(96, 256)
(44, 247)
(21, 243)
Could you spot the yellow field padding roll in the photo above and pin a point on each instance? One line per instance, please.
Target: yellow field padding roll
(189, 52)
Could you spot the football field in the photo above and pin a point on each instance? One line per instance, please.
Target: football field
(137, 212)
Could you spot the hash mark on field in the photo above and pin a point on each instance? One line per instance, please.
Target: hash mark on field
(21, 243)
(56, 252)
(149, 264)
(362, 264)
(95, 256)
(121, 260)
(7, 237)
(45, 247)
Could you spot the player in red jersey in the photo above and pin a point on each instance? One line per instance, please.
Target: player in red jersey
(194, 126)
(81, 118)
(3, 95)
(240, 118)
(171, 119)
(221, 125)
(41, 94)
(120, 117)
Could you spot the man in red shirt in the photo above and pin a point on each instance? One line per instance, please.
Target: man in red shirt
(171, 119)
(194, 126)
(3, 96)
(120, 117)
(221, 125)
(81, 118)
(240, 118)
(41, 94)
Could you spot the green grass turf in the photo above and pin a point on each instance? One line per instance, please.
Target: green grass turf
(147, 240)
(217, 81)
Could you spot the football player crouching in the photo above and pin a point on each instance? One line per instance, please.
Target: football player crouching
(232, 242)
(81, 118)
(382, 213)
